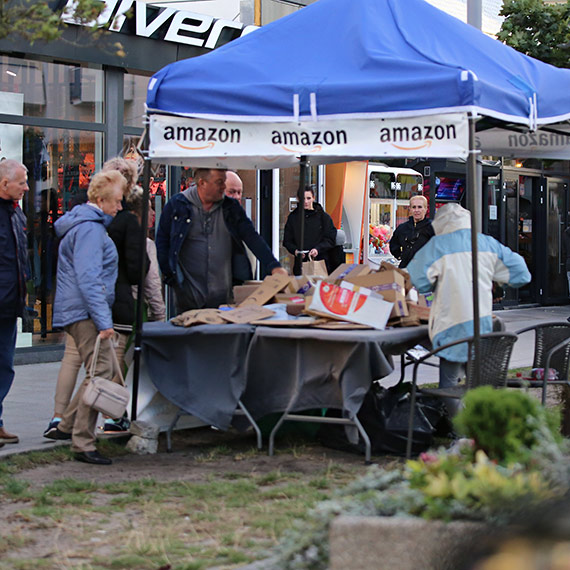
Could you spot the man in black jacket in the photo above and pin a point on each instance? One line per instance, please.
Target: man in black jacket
(13, 263)
(200, 241)
(410, 236)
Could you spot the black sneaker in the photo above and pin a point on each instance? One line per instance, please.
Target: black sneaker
(121, 425)
(57, 434)
(51, 427)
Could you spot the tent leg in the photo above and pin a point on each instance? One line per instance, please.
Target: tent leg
(140, 292)
(474, 193)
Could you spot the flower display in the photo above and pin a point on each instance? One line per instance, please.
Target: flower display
(379, 237)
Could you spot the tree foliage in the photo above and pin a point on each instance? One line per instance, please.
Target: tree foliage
(537, 29)
(37, 20)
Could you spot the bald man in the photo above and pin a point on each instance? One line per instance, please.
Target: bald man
(234, 186)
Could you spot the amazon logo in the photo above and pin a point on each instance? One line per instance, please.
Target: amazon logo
(416, 137)
(206, 137)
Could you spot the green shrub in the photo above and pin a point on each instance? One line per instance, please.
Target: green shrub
(506, 424)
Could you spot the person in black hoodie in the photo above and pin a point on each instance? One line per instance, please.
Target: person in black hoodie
(319, 232)
(125, 231)
(410, 236)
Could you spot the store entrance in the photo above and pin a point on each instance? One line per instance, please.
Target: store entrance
(522, 201)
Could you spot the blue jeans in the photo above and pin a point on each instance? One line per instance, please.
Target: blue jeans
(449, 375)
(8, 330)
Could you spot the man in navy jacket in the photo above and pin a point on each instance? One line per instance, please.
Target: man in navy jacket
(200, 241)
(13, 263)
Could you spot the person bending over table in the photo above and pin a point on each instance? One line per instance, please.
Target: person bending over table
(443, 266)
(200, 244)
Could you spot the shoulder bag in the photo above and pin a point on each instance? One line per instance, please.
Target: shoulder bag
(104, 395)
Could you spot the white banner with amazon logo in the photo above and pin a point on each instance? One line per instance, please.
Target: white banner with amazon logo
(229, 144)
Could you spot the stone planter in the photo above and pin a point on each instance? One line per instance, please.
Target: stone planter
(394, 543)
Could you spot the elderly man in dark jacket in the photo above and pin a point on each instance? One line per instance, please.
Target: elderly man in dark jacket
(200, 241)
(13, 264)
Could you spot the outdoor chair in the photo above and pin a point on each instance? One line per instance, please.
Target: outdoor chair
(494, 354)
(551, 350)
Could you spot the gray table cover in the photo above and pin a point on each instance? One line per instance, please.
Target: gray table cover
(205, 370)
(320, 368)
(201, 369)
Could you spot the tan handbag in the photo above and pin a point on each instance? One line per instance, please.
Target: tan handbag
(103, 395)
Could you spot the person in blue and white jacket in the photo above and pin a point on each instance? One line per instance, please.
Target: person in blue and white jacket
(443, 266)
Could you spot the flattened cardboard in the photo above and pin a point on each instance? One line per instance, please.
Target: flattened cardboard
(348, 302)
(247, 314)
(199, 317)
(389, 284)
(271, 285)
(345, 269)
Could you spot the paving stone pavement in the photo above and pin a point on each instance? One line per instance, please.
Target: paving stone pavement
(29, 405)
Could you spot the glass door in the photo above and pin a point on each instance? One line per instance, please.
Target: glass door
(521, 195)
(556, 283)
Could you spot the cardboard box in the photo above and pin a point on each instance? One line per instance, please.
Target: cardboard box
(242, 292)
(385, 266)
(347, 302)
(425, 300)
(389, 284)
(415, 310)
(346, 269)
(270, 286)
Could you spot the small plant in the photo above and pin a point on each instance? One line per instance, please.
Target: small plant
(506, 424)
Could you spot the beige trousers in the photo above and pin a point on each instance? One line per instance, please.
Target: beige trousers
(78, 419)
(67, 377)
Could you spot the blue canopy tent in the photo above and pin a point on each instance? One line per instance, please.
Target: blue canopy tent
(349, 79)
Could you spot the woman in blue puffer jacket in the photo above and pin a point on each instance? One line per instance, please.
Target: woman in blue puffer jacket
(85, 291)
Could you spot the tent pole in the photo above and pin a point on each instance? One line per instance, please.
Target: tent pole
(474, 193)
(303, 169)
(142, 275)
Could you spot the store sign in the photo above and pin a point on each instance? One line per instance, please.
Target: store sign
(168, 24)
(275, 145)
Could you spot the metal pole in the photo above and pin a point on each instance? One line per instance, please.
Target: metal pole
(475, 13)
(142, 275)
(474, 195)
(303, 169)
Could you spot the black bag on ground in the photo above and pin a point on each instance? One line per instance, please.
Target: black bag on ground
(384, 415)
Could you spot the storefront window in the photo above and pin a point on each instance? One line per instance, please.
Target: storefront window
(51, 91)
(60, 163)
(135, 98)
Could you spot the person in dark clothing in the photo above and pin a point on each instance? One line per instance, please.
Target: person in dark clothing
(319, 232)
(410, 236)
(200, 244)
(13, 269)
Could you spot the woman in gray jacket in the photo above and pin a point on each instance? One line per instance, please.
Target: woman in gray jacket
(85, 291)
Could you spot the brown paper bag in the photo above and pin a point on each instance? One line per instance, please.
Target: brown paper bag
(313, 267)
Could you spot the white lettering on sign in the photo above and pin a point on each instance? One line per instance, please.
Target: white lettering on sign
(178, 26)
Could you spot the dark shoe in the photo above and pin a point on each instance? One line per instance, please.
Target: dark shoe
(51, 427)
(56, 433)
(6, 437)
(93, 457)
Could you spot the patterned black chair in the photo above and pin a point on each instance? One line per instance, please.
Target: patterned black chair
(495, 351)
(551, 350)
